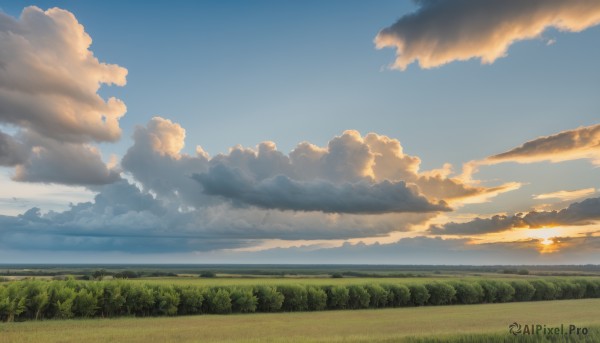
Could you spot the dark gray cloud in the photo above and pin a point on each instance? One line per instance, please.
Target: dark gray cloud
(124, 218)
(12, 152)
(51, 161)
(281, 192)
(440, 32)
(578, 213)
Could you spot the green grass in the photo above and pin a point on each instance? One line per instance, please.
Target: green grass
(254, 281)
(457, 323)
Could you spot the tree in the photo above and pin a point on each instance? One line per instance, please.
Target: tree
(337, 297)
(243, 300)
(358, 297)
(419, 295)
(316, 298)
(99, 274)
(378, 295)
(269, 299)
(440, 293)
(294, 297)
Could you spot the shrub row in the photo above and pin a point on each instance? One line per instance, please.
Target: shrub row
(35, 299)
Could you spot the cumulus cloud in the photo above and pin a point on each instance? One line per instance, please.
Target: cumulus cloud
(281, 192)
(352, 174)
(49, 82)
(12, 152)
(578, 213)
(440, 32)
(49, 78)
(51, 161)
(124, 218)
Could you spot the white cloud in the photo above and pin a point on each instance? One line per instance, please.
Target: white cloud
(49, 82)
(441, 32)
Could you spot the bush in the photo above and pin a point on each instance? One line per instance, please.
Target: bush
(337, 275)
(358, 297)
(468, 292)
(544, 290)
(37, 297)
(523, 290)
(337, 297)
(419, 295)
(85, 304)
(294, 297)
(243, 300)
(208, 273)
(269, 299)
(592, 289)
(523, 272)
(504, 292)
(398, 295)
(440, 293)
(316, 298)
(191, 299)
(167, 301)
(379, 296)
(218, 301)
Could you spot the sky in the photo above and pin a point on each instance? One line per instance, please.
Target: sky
(396, 132)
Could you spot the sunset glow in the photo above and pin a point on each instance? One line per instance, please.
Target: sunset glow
(329, 132)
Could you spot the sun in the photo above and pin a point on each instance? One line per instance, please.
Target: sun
(546, 238)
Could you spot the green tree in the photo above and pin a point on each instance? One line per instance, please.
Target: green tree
(358, 297)
(269, 299)
(316, 298)
(337, 297)
(243, 300)
(440, 293)
(419, 295)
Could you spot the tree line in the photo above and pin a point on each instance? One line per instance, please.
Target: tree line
(38, 299)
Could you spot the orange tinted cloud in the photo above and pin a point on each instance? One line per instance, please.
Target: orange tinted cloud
(441, 32)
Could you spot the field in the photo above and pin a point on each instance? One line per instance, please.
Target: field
(384, 325)
(453, 323)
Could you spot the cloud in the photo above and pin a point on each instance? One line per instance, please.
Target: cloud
(352, 174)
(124, 218)
(441, 32)
(578, 213)
(66, 163)
(566, 195)
(49, 82)
(425, 251)
(12, 152)
(580, 143)
(281, 192)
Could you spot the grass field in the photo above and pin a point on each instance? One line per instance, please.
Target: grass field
(253, 281)
(385, 325)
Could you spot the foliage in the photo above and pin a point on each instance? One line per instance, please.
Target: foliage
(70, 298)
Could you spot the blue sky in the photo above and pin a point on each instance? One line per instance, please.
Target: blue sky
(243, 73)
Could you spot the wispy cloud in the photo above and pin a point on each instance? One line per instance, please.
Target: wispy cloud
(566, 195)
(578, 213)
(441, 32)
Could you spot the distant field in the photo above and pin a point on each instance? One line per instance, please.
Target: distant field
(384, 325)
(255, 281)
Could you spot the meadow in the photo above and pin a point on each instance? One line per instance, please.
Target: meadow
(458, 323)
(298, 304)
